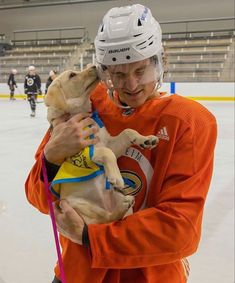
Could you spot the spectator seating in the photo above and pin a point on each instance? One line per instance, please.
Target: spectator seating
(43, 57)
(198, 56)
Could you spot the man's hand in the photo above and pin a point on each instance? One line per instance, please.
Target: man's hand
(70, 136)
(68, 221)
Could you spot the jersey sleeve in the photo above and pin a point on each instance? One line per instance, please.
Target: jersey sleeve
(25, 85)
(170, 228)
(9, 80)
(34, 186)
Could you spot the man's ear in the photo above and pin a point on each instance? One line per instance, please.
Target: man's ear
(55, 96)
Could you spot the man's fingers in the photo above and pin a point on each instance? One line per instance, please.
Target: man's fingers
(64, 206)
(56, 207)
(68, 222)
(59, 213)
(90, 131)
(87, 122)
(76, 118)
(92, 141)
(66, 209)
(83, 120)
(80, 116)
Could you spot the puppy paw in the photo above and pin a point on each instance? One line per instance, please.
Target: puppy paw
(129, 201)
(147, 142)
(116, 182)
(126, 207)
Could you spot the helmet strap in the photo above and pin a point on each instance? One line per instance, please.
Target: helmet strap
(110, 92)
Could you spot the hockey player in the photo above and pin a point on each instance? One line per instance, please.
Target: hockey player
(12, 83)
(32, 87)
(170, 182)
(52, 76)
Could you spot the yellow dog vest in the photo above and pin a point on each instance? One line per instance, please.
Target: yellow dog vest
(79, 167)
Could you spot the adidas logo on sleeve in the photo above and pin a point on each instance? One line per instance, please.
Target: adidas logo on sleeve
(162, 134)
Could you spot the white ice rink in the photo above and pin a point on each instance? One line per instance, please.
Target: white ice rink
(27, 249)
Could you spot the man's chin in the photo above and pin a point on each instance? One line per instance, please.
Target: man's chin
(136, 103)
(133, 101)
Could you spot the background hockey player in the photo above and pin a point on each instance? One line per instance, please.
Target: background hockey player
(52, 76)
(32, 86)
(12, 83)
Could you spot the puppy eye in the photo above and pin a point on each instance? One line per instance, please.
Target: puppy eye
(71, 75)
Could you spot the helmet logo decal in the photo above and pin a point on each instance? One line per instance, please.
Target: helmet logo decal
(119, 50)
(144, 15)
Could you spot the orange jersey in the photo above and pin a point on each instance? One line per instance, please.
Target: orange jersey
(170, 181)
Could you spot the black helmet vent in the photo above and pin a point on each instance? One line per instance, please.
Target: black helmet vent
(135, 35)
(141, 43)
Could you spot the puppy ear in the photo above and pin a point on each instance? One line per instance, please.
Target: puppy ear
(55, 96)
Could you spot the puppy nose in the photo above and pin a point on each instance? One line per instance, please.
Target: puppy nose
(92, 69)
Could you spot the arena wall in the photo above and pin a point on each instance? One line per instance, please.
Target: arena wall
(198, 91)
(90, 14)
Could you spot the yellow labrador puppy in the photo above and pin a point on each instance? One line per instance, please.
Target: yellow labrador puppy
(91, 181)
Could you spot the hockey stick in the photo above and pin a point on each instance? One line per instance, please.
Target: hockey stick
(21, 93)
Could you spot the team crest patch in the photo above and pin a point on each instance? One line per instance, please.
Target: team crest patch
(133, 183)
(30, 81)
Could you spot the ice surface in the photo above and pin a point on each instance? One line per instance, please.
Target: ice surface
(27, 249)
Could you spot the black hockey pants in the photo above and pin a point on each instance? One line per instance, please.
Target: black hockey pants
(32, 100)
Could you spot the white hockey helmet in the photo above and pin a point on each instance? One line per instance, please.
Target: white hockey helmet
(31, 68)
(14, 71)
(128, 34)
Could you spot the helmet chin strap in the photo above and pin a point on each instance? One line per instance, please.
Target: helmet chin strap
(115, 100)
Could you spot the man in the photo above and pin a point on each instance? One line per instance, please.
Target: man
(32, 86)
(12, 83)
(52, 76)
(170, 182)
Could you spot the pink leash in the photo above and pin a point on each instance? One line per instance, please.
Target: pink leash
(52, 215)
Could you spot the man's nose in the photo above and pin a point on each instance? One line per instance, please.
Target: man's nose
(131, 83)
